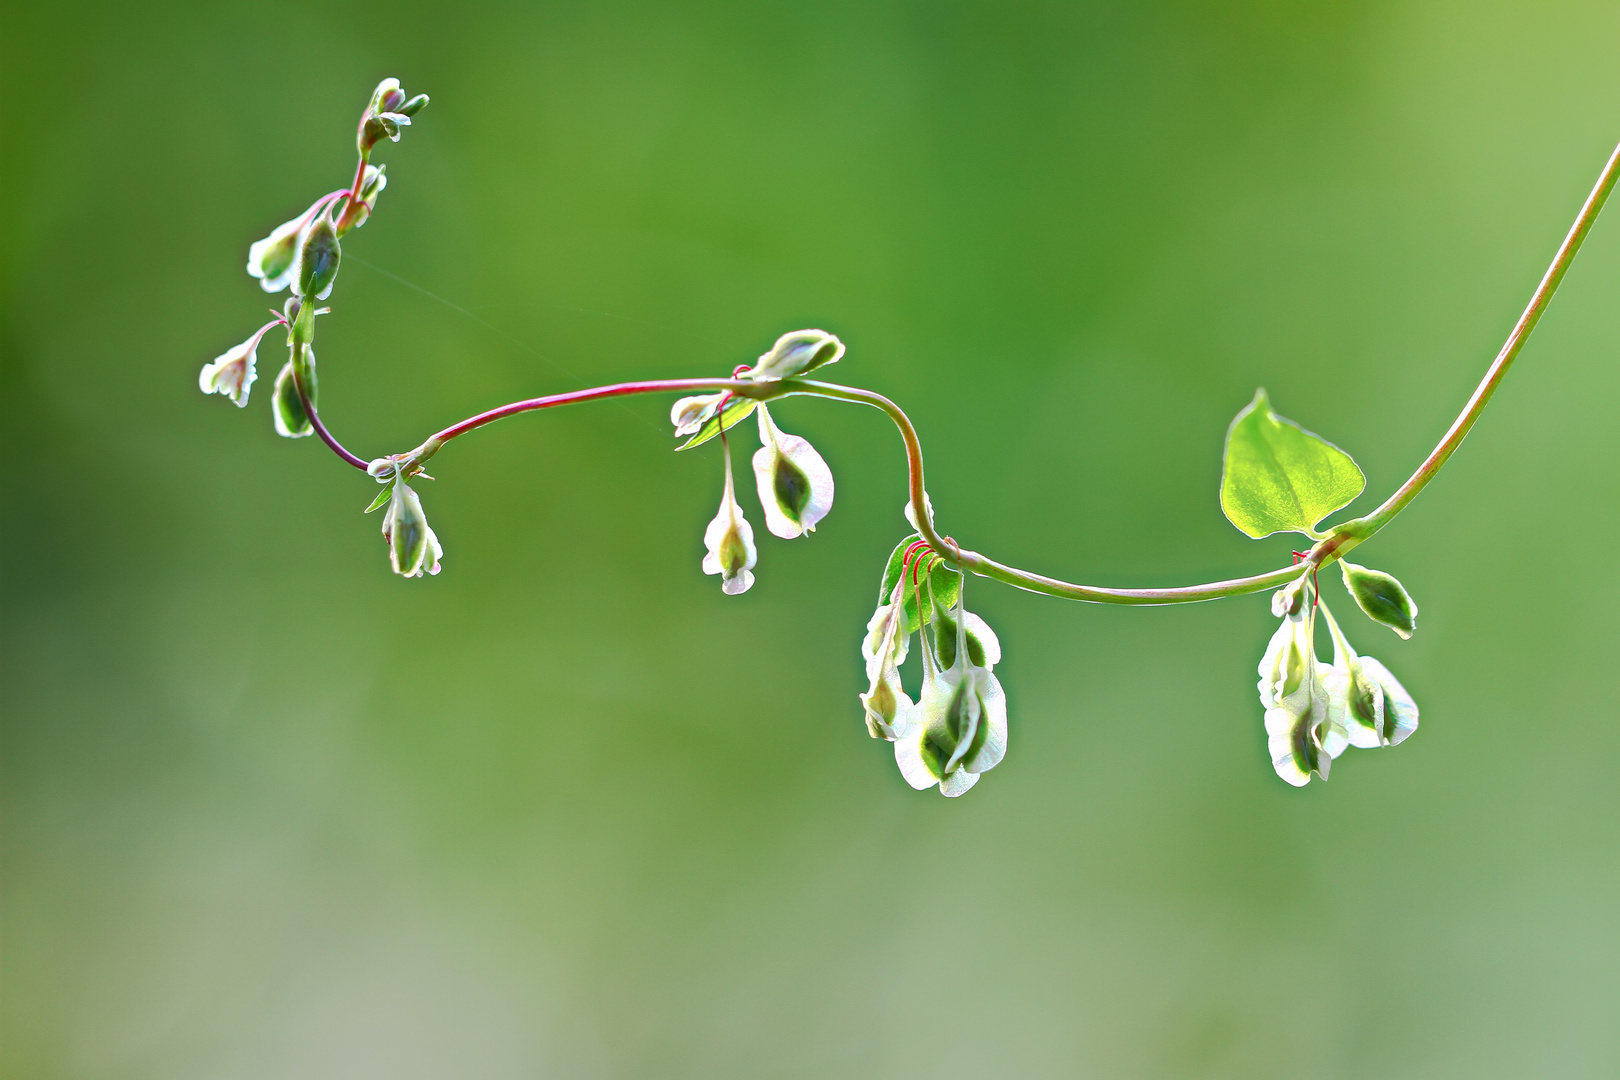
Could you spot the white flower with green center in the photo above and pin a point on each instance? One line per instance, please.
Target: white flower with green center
(795, 485)
(957, 730)
(273, 260)
(730, 540)
(884, 648)
(1303, 732)
(233, 371)
(413, 549)
(1368, 701)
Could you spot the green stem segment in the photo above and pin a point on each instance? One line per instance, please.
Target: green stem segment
(1335, 545)
(1364, 527)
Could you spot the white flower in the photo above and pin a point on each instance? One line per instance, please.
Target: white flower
(730, 540)
(1304, 733)
(1367, 700)
(796, 353)
(957, 730)
(233, 371)
(272, 259)
(884, 648)
(795, 485)
(413, 549)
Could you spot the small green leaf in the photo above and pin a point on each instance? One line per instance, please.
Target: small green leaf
(382, 497)
(736, 410)
(1278, 477)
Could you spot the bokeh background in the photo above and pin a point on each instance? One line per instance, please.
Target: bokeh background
(566, 810)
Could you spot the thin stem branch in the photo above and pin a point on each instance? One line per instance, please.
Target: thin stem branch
(760, 391)
(1329, 548)
(1366, 526)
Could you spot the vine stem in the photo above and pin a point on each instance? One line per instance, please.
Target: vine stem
(1339, 541)
(1366, 526)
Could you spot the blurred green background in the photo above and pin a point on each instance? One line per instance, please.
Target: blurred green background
(566, 810)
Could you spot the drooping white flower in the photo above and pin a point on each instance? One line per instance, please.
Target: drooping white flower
(233, 371)
(957, 730)
(884, 648)
(730, 540)
(413, 549)
(273, 260)
(1304, 734)
(795, 485)
(1367, 700)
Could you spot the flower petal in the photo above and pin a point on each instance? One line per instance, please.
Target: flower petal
(795, 485)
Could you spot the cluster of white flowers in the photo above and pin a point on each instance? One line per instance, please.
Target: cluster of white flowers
(794, 483)
(1315, 711)
(956, 729)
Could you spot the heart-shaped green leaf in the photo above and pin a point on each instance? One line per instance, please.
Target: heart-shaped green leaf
(1279, 477)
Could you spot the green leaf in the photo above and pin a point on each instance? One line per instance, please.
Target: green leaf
(382, 496)
(736, 410)
(1278, 477)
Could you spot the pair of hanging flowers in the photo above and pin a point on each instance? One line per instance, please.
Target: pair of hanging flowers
(794, 483)
(1315, 711)
(956, 729)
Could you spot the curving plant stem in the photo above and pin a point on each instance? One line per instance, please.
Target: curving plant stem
(1336, 544)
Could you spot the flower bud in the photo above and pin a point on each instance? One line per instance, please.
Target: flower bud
(1289, 599)
(388, 89)
(286, 406)
(689, 413)
(796, 353)
(413, 106)
(318, 254)
(795, 486)
(1383, 598)
(413, 549)
(371, 186)
(730, 540)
